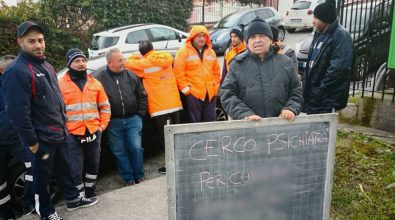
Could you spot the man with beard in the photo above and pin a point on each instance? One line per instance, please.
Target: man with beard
(36, 109)
(261, 83)
(88, 113)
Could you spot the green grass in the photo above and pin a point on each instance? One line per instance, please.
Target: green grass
(364, 167)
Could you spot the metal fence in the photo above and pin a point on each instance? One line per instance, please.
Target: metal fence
(208, 14)
(369, 23)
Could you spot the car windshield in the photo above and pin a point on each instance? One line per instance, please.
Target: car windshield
(355, 19)
(301, 5)
(101, 42)
(228, 21)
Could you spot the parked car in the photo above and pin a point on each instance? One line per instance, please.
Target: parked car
(368, 24)
(300, 15)
(127, 38)
(220, 34)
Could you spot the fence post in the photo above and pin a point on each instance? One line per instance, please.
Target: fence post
(204, 3)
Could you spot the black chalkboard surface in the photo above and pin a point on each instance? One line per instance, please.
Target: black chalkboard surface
(271, 169)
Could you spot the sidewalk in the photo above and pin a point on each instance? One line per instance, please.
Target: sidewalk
(148, 200)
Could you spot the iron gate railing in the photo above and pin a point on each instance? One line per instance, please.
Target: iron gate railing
(369, 23)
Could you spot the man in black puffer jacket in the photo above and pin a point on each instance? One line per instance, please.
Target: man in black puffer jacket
(261, 83)
(327, 76)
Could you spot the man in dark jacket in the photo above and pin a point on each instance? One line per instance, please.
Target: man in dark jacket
(261, 83)
(11, 147)
(327, 76)
(128, 101)
(36, 110)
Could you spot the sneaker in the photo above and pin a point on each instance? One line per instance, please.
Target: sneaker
(53, 216)
(82, 203)
(90, 195)
(130, 183)
(162, 170)
(140, 180)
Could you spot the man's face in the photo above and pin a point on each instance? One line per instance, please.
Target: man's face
(259, 44)
(78, 64)
(116, 62)
(234, 40)
(199, 40)
(319, 25)
(33, 43)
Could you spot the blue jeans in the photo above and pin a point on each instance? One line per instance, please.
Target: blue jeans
(124, 138)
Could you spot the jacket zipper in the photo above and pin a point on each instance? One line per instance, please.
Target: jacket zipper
(120, 93)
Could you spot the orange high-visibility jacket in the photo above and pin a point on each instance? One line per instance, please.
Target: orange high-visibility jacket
(232, 52)
(87, 109)
(195, 76)
(155, 68)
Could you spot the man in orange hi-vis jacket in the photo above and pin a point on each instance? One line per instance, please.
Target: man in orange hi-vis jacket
(88, 113)
(156, 71)
(198, 75)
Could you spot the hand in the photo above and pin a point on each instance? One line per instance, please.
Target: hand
(253, 118)
(34, 148)
(287, 115)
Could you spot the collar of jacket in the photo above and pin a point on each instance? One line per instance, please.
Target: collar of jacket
(31, 58)
(257, 58)
(74, 74)
(241, 47)
(114, 73)
(197, 49)
(68, 77)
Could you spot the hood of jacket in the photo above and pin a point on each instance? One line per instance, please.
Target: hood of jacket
(195, 31)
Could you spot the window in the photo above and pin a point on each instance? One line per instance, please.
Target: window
(101, 42)
(136, 36)
(264, 14)
(163, 34)
(247, 18)
(301, 5)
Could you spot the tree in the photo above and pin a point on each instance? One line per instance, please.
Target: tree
(108, 14)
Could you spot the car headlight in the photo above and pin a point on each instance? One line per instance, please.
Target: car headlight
(222, 35)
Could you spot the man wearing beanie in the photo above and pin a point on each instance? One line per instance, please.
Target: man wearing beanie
(261, 83)
(37, 112)
(237, 45)
(327, 75)
(88, 113)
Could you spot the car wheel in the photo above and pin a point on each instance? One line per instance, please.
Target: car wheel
(16, 183)
(290, 30)
(361, 67)
(220, 114)
(281, 33)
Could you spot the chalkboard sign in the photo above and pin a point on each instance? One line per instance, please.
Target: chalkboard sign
(270, 169)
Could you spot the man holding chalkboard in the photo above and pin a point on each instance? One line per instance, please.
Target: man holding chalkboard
(261, 83)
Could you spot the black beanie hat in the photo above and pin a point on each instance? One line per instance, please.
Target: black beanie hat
(326, 12)
(239, 31)
(258, 26)
(72, 54)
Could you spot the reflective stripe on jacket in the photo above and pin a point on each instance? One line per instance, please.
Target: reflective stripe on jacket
(229, 55)
(87, 109)
(195, 76)
(155, 68)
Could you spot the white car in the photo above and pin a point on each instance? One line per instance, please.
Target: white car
(127, 38)
(300, 15)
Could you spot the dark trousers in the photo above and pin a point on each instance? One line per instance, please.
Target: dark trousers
(21, 154)
(84, 155)
(52, 158)
(161, 121)
(200, 111)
